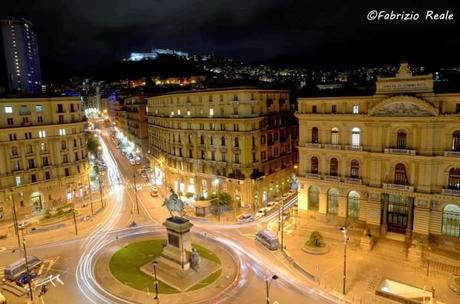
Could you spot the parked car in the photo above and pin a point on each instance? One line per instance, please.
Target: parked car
(286, 195)
(25, 279)
(154, 192)
(245, 218)
(271, 205)
(268, 239)
(262, 212)
(23, 225)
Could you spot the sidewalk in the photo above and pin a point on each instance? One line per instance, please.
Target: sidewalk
(365, 270)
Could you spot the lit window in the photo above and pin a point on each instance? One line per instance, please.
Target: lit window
(211, 112)
(188, 113)
(178, 112)
(172, 113)
(41, 133)
(355, 109)
(62, 132)
(38, 108)
(8, 110)
(18, 181)
(355, 136)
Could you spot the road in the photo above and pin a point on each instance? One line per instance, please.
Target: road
(73, 259)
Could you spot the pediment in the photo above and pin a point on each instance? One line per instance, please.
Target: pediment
(403, 106)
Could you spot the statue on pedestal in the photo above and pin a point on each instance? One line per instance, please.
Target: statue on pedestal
(174, 204)
(195, 260)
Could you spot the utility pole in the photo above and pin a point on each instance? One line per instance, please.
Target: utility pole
(28, 270)
(90, 195)
(75, 219)
(15, 219)
(135, 191)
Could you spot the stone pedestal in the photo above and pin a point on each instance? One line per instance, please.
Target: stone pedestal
(178, 247)
(367, 242)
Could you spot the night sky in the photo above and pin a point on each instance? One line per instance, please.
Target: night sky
(83, 34)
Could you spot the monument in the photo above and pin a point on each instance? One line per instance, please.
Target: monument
(179, 264)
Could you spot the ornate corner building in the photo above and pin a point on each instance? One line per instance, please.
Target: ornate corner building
(43, 154)
(238, 140)
(390, 161)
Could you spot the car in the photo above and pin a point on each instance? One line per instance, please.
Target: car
(286, 195)
(286, 215)
(245, 218)
(138, 187)
(262, 212)
(23, 225)
(25, 279)
(292, 191)
(154, 192)
(271, 206)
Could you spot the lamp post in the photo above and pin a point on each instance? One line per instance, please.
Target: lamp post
(345, 243)
(282, 225)
(135, 191)
(268, 283)
(15, 219)
(27, 269)
(155, 282)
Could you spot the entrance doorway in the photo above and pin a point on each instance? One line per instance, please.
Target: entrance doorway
(36, 203)
(398, 212)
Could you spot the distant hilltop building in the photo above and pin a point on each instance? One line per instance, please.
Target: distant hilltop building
(155, 53)
(21, 55)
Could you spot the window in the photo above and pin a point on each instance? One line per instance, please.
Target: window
(45, 161)
(355, 137)
(62, 132)
(18, 181)
(10, 121)
(354, 170)
(353, 205)
(75, 142)
(332, 201)
(38, 108)
(43, 146)
(235, 109)
(237, 158)
(237, 143)
(66, 172)
(202, 139)
(30, 149)
(355, 109)
(335, 136)
(314, 166)
(313, 198)
(211, 112)
(457, 108)
(13, 137)
(454, 179)
(236, 127)
(61, 119)
(8, 110)
(334, 167)
(224, 157)
(189, 113)
(262, 139)
(211, 138)
(314, 135)
(400, 174)
(178, 111)
(41, 133)
(401, 140)
(451, 220)
(33, 178)
(14, 150)
(28, 135)
(314, 109)
(334, 109)
(263, 155)
(31, 163)
(456, 141)
(47, 175)
(39, 119)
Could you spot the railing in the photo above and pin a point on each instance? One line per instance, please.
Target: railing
(353, 180)
(354, 148)
(451, 192)
(313, 175)
(399, 151)
(332, 178)
(332, 147)
(452, 153)
(313, 145)
(398, 187)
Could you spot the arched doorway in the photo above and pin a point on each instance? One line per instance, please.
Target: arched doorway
(353, 205)
(313, 198)
(333, 201)
(451, 220)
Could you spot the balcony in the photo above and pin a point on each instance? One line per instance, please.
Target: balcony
(313, 145)
(24, 112)
(354, 148)
(26, 124)
(398, 187)
(312, 175)
(399, 151)
(452, 153)
(450, 192)
(332, 147)
(353, 180)
(332, 178)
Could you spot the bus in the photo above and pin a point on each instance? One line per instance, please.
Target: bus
(18, 268)
(268, 239)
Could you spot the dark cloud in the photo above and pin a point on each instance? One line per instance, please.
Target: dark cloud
(82, 34)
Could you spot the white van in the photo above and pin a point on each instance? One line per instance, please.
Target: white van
(268, 239)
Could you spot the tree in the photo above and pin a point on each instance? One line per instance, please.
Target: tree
(315, 240)
(92, 145)
(219, 202)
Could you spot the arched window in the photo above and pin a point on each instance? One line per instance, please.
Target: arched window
(237, 143)
(314, 165)
(222, 141)
(335, 136)
(313, 198)
(400, 174)
(401, 140)
(456, 141)
(355, 137)
(14, 150)
(454, 179)
(451, 220)
(332, 201)
(334, 167)
(354, 170)
(353, 205)
(314, 135)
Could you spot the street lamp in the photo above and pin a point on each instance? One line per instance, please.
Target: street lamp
(27, 269)
(268, 283)
(155, 282)
(345, 243)
(15, 218)
(135, 191)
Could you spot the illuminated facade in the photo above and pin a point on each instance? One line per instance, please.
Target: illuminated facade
(237, 140)
(390, 161)
(43, 154)
(132, 121)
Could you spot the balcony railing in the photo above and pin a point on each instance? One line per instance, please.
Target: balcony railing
(353, 180)
(398, 187)
(354, 148)
(332, 147)
(451, 192)
(24, 112)
(313, 145)
(313, 175)
(452, 153)
(332, 178)
(399, 151)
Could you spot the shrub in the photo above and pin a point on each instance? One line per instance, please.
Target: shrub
(315, 240)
